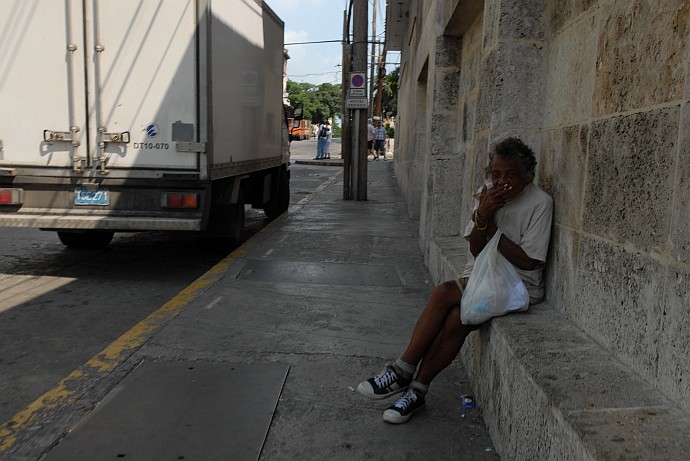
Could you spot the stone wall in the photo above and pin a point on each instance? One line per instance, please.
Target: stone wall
(614, 160)
(599, 89)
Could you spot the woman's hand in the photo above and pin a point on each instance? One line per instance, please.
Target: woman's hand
(491, 200)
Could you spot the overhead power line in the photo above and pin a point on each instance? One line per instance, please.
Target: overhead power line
(312, 43)
(328, 41)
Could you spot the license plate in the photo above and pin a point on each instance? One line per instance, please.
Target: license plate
(91, 197)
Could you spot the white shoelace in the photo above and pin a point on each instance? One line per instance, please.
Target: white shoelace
(405, 400)
(385, 378)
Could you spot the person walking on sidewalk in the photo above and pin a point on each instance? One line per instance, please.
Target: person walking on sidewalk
(327, 143)
(321, 142)
(371, 135)
(523, 212)
(380, 141)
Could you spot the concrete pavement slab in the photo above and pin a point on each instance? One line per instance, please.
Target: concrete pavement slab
(180, 410)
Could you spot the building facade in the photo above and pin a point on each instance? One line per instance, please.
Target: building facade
(600, 90)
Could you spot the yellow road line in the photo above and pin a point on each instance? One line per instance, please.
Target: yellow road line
(76, 384)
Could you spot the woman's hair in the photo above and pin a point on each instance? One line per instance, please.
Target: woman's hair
(514, 147)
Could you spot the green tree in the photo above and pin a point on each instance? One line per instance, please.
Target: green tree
(389, 93)
(320, 102)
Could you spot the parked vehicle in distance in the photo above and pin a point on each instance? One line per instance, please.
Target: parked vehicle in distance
(299, 129)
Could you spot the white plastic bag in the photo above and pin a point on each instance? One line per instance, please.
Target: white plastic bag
(494, 287)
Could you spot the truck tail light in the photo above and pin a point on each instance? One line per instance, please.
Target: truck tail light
(11, 196)
(187, 200)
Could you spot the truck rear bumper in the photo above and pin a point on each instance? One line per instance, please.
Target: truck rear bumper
(111, 223)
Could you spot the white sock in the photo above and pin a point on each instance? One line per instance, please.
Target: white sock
(422, 388)
(406, 368)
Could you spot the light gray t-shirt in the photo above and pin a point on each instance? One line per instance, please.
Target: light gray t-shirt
(526, 221)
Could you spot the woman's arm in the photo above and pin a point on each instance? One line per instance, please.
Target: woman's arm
(485, 228)
(511, 250)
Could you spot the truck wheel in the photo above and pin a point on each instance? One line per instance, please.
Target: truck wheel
(70, 239)
(89, 239)
(226, 230)
(236, 225)
(96, 239)
(280, 201)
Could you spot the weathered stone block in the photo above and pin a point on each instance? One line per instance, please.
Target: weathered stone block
(618, 302)
(469, 67)
(558, 12)
(674, 340)
(413, 197)
(561, 167)
(474, 171)
(448, 51)
(485, 102)
(491, 23)
(561, 271)
(467, 125)
(580, 6)
(642, 48)
(522, 19)
(443, 129)
(447, 214)
(551, 392)
(680, 232)
(446, 89)
(519, 87)
(652, 433)
(447, 258)
(550, 152)
(629, 177)
(570, 76)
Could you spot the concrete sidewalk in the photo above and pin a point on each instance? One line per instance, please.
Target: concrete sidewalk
(331, 290)
(347, 288)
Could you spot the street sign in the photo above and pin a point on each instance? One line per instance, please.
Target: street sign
(357, 80)
(357, 103)
(358, 93)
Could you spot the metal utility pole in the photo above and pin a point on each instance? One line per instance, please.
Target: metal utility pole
(382, 74)
(346, 145)
(373, 62)
(359, 128)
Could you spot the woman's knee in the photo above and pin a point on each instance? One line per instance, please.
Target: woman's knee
(447, 291)
(452, 324)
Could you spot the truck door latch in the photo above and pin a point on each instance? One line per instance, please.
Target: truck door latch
(70, 137)
(105, 138)
(113, 137)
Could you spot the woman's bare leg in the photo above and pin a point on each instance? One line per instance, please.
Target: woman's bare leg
(444, 348)
(443, 299)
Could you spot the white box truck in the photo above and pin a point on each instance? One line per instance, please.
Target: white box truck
(132, 115)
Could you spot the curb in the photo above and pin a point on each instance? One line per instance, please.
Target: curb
(331, 162)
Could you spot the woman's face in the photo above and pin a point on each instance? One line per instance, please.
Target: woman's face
(506, 174)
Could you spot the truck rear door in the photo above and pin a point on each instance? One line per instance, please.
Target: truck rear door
(143, 82)
(103, 85)
(42, 84)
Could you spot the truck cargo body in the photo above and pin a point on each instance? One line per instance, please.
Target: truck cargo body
(125, 115)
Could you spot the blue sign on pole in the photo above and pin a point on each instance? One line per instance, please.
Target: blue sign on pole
(357, 80)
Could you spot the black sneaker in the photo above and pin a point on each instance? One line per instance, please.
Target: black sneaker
(402, 410)
(383, 385)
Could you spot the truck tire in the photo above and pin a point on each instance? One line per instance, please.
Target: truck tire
(89, 239)
(96, 239)
(280, 201)
(70, 239)
(236, 225)
(226, 230)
